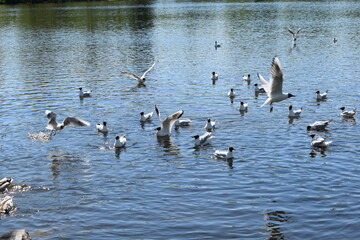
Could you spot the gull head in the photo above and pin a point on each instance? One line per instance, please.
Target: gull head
(342, 108)
(308, 128)
(213, 73)
(312, 135)
(318, 92)
(80, 88)
(196, 136)
(142, 113)
(158, 128)
(231, 149)
(117, 137)
(290, 95)
(290, 107)
(209, 120)
(104, 123)
(62, 126)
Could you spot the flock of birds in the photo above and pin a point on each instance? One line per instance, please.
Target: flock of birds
(272, 88)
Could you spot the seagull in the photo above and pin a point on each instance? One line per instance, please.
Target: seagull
(141, 79)
(294, 34)
(334, 40)
(166, 125)
(273, 88)
(259, 90)
(83, 94)
(243, 107)
(210, 125)
(120, 142)
(217, 45)
(68, 121)
(247, 78)
(319, 142)
(214, 76)
(6, 205)
(224, 154)
(145, 117)
(102, 127)
(4, 183)
(321, 96)
(182, 123)
(318, 125)
(294, 114)
(203, 139)
(231, 93)
(348, 113)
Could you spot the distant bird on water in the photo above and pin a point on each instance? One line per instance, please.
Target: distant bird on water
(243, 107)
(214, 76)
(210, 125)
(224, 154)
(217, 45)
(68, 121)
(231, 93)
(321, 96)
(204, 139)
(294, 113)
(6, 205)
(348, 113)
(102, 127)
(318, 125)
(84, 94)
(145, 117)
(259, 90)
(120, 142)
(319, 142)
(294, 34)
(141, 80)
(247, 78)
(273, 88)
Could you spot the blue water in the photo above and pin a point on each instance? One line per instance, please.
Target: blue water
(74, 186)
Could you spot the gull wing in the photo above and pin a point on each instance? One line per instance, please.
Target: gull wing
(132, 75)
(205, 137)
(298, 30)
(157, 112)
(74, 121)
(170, 120)
(291, 31)
(143, 76)
(264, 84)
(276, 78)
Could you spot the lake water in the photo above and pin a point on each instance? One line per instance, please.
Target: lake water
(276, 187)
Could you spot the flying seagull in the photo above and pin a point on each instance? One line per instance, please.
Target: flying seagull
(68, 121)
(273, 88)
(141, 79)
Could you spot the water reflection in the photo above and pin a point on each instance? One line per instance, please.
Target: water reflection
(168, 146)
(274, 221)
(62, 161)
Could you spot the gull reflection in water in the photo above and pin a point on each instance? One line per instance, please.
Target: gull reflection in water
(274, 221)
(168, 146)
(62, 161)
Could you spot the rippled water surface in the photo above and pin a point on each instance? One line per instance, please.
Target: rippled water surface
(276, 187)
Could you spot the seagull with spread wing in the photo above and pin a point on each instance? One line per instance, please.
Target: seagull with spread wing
(141, 79)
(68, 121)
(166, 125)
(273, 88)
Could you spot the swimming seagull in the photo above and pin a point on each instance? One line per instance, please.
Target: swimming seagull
(319, 142)
(334, 40)
(294, 113)
(210, 125)
(243, 107)
(217, 45)
(224, 154)
(83, 94)
(182, 123)
(231, 93)
(318, 125)
(294, 34)
(247, 78)
(4, 183)
(321, 96)
(145, 117)
(348, 113)
(214, 76)
(204, 139)
(258, 90)
(141, 79)
(102, 127)
(166, 125)
(6, 205)
(273, 88)
(120, 142)
(68, 121)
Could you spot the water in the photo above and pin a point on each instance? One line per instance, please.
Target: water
(275, 188)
